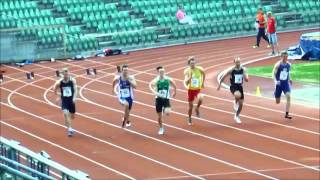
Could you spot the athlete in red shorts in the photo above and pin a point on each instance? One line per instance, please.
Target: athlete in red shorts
(194, 78)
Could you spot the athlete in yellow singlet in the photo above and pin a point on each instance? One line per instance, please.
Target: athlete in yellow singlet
(194, 78)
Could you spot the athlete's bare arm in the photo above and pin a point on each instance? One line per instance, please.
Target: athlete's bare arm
(246, 76)
(75, 89)
(152, 86)
(203, 77)
(114, 82)
(132, 81)
(187, 77)
(56, 87)
(274, 72)
(173, 84)
(223, 77)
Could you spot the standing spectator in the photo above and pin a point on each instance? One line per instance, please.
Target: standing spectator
(183, 18)
(271, 29)
(261, 30)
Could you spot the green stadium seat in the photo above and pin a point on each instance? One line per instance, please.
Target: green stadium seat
(217, 17)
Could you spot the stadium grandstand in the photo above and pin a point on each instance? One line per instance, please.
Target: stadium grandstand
(62, 28)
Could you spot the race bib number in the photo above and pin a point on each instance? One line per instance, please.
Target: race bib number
(283, 75)
(66, 91)
(195, 82)
(125, 93)
(162, 93)
(238, 78)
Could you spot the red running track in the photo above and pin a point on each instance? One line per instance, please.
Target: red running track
(264, 146)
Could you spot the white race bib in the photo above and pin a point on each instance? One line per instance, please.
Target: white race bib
(195, 82)
(238, 78)
(125, 93)
(162, 93)
(66, 92)
(283, 75)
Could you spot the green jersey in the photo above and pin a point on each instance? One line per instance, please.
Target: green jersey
(163, 87)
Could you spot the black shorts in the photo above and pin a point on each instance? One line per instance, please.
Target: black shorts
(162, 103)
(68, 105)
(234, 88)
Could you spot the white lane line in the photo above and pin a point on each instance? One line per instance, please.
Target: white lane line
(239, 129)
(227, 112)
(201, 135)
(232, 173)
(63, 148)
(223, 99)
(135, 132)
(87, 135)
(292, 143)
(289, 161)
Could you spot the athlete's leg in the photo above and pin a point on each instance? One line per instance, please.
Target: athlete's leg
(190, 109)
(167, 111)
(238, 96)
(159, 108)
(191, 97)
(288, 104)
(240, 102)
(277, 94)
(160, 119)
(200, 100)
(67, 118)
(130, 103)
(126, 112)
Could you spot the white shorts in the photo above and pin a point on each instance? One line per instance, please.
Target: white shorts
(273, 38)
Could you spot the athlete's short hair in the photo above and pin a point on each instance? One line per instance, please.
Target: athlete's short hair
(159, 67)
(63, 70)
(125, 66)
(191, 58)
(284, 53)
(236, 59)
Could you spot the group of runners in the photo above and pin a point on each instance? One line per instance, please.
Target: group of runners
(164, 88)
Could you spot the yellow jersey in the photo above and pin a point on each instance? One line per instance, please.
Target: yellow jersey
(196, 79)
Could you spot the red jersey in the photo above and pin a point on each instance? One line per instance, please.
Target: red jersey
(271, 25)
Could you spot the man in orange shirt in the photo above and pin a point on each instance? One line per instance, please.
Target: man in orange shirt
(261, 28)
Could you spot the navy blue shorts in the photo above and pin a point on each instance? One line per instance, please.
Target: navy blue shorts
(68, 105)
(283, 87)
(129, 100)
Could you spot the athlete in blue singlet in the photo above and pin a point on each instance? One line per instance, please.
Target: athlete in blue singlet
(281, 74)
(123, 86)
